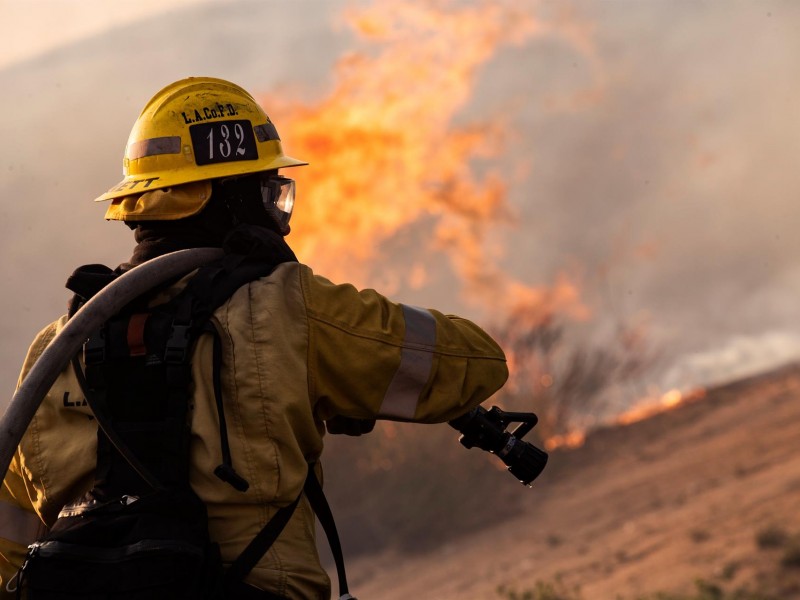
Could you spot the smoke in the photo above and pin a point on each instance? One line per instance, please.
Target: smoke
(671, 184)
(636, 167)
(638, 156)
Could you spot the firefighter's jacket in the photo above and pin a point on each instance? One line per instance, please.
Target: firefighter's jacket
(297, 350)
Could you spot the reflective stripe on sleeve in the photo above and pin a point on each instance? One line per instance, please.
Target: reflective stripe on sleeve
(416, 361)
(18, 525)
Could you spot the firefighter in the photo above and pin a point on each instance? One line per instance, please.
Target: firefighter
(298, 351)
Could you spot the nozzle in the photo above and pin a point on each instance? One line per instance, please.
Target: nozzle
(487, 430)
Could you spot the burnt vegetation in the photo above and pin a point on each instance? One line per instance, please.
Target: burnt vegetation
(570, 384)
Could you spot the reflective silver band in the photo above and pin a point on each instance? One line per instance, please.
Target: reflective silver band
(266, 132)
(18, 525)
(154, 146)
(416, 361)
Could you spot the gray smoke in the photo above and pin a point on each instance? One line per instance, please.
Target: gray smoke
(661, 161)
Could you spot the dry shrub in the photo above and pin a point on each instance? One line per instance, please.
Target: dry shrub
(773, 536)
(567, 382)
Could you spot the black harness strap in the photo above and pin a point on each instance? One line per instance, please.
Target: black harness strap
(266, 537)
(225, 470)
(259, 545)
(180, 322)
(101, 414)
(318, 501)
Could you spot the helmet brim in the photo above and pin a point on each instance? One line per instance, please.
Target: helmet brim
(133, 185)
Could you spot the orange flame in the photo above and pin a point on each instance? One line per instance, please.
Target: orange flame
(573, 439)
(646, 408)
(649, 408)
(390, 166)
(393, 165)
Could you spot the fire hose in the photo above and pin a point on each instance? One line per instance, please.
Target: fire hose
(87, 320)
(480, 428)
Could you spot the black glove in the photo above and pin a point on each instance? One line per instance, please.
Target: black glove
(349, 426)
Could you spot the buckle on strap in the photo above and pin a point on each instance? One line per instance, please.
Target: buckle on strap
(178, 343)
(94, 350)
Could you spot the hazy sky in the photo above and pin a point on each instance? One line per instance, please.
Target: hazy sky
(30, 27)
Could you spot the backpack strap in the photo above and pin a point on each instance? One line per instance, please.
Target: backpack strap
(251, 254)
(225, 470)
(85, 282)
(318, 501)
(258, 547)
(101, 414)
(163, 335)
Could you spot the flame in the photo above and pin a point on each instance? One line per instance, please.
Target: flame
(645, 409)
(573, 439)
(392, 165)
(667, 401)
(395, 169)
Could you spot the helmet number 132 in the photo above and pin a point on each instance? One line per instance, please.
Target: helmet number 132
(223, 142)
(224, 146)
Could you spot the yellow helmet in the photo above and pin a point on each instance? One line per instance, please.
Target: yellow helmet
(193, 130)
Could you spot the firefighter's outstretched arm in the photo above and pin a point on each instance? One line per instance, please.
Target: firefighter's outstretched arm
(373, 358)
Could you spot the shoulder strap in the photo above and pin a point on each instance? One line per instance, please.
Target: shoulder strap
(224, 470)
(318, 501)
(103, 422)
(269, 533)
(259, 545)
(251, 253)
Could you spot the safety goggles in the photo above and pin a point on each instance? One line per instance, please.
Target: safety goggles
(277, 194)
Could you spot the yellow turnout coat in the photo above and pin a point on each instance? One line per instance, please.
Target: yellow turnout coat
(296, 351)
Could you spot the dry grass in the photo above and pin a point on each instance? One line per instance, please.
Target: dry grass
(776, 578)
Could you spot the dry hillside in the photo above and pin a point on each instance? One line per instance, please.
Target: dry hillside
(709, 490)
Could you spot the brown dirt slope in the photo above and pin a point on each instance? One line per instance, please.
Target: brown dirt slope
(648, 507)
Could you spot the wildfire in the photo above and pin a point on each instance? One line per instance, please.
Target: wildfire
(649, 408)
(398, 181)
(574, 439)
(393, 171)
(644, 409)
